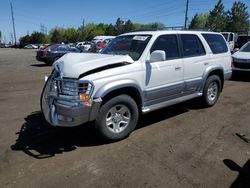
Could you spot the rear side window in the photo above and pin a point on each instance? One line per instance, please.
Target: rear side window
(192, 45)
(169, 44)
(216, 43)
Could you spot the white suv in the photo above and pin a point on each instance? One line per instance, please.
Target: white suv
(137, 73)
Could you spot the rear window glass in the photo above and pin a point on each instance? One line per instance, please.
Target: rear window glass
(216, 43)
(191, 45)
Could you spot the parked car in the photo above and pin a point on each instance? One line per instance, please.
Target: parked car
(101, 38)
(54, 52)
(97, 47)
(242, 39)
(231, 38)
(43, 46)
(136, 73)
(85, 46)
(3, 45)
(241, 58)
(31, 46)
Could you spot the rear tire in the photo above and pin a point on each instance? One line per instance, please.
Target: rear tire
(211, 91)
(117, 118)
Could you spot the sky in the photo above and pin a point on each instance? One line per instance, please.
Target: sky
(29, 15)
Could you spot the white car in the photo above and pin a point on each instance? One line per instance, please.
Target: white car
(85, 46)
(31, 46)
(138, 72)
(241, 58)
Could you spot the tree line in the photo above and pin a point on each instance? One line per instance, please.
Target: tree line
(234, 20)
(83, 33)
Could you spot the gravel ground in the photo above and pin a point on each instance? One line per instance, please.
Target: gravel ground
(180, 146)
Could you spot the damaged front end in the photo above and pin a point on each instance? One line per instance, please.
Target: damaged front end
(67, 102)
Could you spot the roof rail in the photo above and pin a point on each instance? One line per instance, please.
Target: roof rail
(159, 29)
(147, 29)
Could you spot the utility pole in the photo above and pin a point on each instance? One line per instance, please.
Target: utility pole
(13, 22)
(186, 13)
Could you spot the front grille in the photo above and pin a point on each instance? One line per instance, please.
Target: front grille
(73, 87)
(70, 91)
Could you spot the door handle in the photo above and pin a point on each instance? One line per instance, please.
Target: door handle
(177, 68)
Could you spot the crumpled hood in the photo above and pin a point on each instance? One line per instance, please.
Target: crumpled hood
(72, 65)
(241, 55)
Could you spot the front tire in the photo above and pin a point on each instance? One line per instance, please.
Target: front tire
(117, 118)
(211, 91)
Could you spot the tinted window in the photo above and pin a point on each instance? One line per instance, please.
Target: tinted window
(216, 43)
(191, 45)
(245, 48)
(243, 39)
(167, 43)
(231, 37)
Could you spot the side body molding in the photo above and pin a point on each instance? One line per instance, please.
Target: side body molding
(119, 84)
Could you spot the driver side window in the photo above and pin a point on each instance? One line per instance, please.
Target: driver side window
(167, 43)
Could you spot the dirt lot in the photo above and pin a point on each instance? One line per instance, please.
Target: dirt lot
(180, 146)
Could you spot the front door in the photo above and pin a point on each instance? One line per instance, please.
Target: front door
(164, 79)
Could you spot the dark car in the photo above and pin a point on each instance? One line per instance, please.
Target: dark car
(242, 39)
(54, 52)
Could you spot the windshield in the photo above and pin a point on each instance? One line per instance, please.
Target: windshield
(245, 48)
(132, 45)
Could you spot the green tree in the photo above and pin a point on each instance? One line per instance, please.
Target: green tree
(70, 35)
(37, 38)
(157, 25)
(25, 40)
(238, 18)
(56, 35)
(119, 26)
(217, 18)
(128, 26)
(199, 22)
(0, 36)
(110, 30)
(91, 30)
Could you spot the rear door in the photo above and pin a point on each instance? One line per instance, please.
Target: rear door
(195, 61)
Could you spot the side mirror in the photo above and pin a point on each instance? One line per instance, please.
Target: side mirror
(157, 55)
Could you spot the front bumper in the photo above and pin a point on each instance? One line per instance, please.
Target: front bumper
(64, 112)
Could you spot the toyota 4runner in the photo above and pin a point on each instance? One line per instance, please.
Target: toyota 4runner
(136, 73)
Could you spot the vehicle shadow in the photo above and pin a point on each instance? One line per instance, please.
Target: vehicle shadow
(243, 179)
(40, 65)
(38, 139)
(241, 76)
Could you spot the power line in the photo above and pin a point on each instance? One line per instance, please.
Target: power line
(13, 22)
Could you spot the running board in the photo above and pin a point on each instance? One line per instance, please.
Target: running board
(147, 109)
